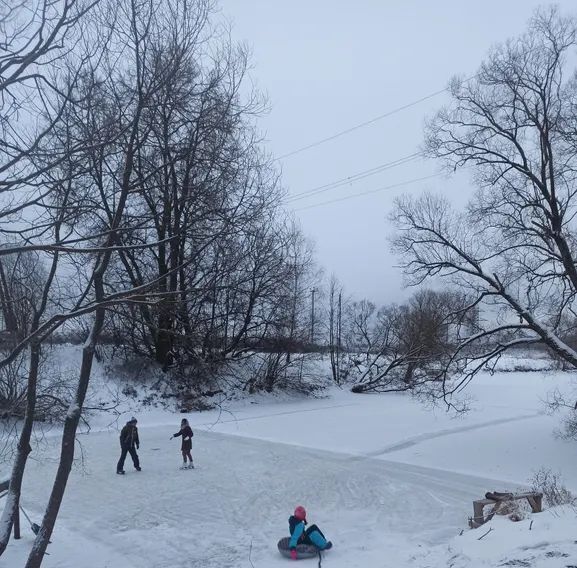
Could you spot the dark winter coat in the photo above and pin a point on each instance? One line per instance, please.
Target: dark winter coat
(187, 435)
(129, 436)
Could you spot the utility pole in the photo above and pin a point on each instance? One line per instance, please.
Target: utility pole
(339, 322)
(313, 290)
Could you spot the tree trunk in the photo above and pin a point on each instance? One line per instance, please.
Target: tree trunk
(163, 344)
(73, 415)
(10, 321)
(22, 452)
(67, 449)
(408, 378)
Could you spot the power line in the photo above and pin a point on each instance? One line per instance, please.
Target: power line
(362, 124)
(353, 178)
(368, 122)
(393, 186)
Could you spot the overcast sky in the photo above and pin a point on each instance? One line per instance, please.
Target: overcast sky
(328, 65)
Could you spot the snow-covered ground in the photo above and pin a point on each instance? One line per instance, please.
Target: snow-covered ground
(390, 482)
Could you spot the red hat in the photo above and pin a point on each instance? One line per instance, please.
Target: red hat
(300, 513)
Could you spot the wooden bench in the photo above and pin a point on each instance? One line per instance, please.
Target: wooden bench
(498, 501)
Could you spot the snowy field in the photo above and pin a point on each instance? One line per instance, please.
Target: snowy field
(390, 482)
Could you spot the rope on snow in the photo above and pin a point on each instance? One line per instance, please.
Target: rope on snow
(249, 554)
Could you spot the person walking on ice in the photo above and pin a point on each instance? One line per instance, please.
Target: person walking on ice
(129, 443)
(186, 446)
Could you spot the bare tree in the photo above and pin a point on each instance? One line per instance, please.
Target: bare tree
(513, 249)
(359, 322)
(212, 199)
(334, 319)
(36, 35)
(135, 28)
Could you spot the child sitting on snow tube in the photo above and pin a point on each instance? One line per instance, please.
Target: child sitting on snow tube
(301, 535)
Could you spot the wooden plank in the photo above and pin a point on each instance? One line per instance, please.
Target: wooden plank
(514, 497)
(535, 502)
(485, 502)
(528, 494)
(478, 514)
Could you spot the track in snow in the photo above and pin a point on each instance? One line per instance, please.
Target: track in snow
(413, 441)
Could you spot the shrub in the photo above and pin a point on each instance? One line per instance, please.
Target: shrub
(550, 484)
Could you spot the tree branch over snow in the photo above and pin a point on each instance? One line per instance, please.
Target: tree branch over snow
(512, 250)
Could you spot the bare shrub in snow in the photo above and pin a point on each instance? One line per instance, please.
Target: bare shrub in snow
(276, 371)
(561, 402)
(53, 390)
(568, 427)
(549, 483)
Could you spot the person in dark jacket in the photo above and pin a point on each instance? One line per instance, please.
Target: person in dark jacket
(301, 535)
(129, 443)
(186, 446)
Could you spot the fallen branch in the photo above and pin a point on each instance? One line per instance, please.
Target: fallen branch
(485, 533)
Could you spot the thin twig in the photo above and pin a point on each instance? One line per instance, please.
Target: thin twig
(485, 533)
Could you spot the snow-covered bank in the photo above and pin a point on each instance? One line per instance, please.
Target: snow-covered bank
(544, 540)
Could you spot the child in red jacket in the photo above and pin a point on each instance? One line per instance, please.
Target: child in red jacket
(186, 446)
